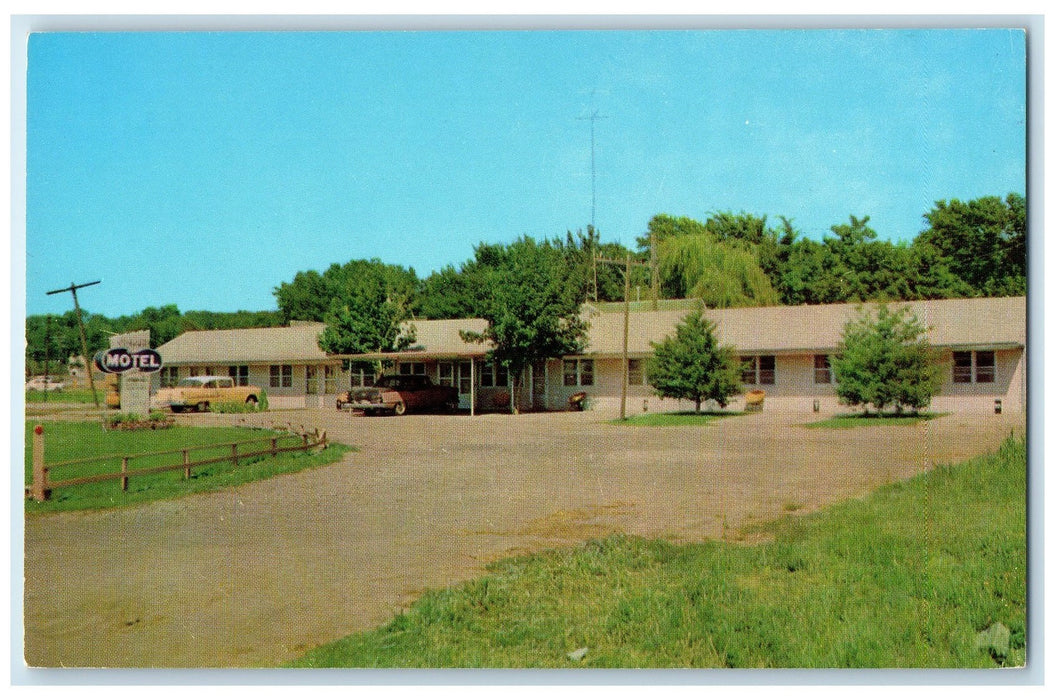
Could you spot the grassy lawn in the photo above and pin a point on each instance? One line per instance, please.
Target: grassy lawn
(860, 421)
(67, 441)
(906, 578)
(66, 396)
(674, 419)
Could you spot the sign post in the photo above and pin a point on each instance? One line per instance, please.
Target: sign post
(134, 366)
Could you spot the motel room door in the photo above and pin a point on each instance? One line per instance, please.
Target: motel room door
(465, 385)
(538, 386)
(458, 374)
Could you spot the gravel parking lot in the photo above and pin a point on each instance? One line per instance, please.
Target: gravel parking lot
(256, 575)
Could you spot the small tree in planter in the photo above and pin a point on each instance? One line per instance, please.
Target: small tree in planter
(886, 361)
(691, 365)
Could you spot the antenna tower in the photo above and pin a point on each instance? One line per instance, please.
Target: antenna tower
(593, 163)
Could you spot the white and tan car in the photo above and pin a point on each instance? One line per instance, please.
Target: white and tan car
(198, 393)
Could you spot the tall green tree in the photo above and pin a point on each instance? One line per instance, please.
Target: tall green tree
(370, 321)
(717, 261)
(531, 310)
(364, 304)
(984, 241)
(691, 365)
(720, 273)
(311, 296)
(451, 293)
(368, 303)
(886, 361)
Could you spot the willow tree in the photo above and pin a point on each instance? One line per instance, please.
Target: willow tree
(719, 273)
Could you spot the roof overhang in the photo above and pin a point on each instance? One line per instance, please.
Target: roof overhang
(412, 355)
(1008, 345)
(237, 361)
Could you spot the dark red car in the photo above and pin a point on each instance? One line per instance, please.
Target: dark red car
(399, 393)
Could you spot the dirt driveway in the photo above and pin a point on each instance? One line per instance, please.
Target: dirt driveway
(255, 575)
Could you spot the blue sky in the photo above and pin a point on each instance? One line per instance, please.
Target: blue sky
(203, 169)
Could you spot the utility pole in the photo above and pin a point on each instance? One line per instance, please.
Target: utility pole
(654, 265)
(626, 325)
(47, 354)
(80, 325)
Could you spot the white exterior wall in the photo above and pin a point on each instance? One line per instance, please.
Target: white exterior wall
(796, 390)
(294, 396)
(1009, 386)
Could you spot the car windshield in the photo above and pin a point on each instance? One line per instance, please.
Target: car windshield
(190, 381)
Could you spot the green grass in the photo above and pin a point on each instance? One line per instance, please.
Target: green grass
(904, 578)
(865, 420)
(653, 420)
(66, 396)
(66, 441)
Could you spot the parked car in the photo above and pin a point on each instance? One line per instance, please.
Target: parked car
(399, 393)
(45, 384)
(201, 392)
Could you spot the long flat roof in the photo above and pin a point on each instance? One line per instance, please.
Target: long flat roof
(953, 323)
(299, 343)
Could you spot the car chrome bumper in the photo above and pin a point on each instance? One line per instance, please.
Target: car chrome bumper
(369, 406)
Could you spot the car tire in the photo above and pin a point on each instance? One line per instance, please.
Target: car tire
(252, 402)
(399, 409)
(203, 407)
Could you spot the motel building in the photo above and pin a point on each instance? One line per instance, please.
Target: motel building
(786, 352)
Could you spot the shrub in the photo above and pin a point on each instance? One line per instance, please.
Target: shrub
(691, 365)
(233, 407)
(886, 361)
(133, 421)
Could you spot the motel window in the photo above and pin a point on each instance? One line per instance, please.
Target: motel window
(240, 374)
(985, 366)
(446, 374)
(169, 377)
(412, 368)
(362, 375)
(311, 380)
(494, 374)
(578, 373)
(758, 369)
(971, 366)
(822, 369)
(635, 372)
(282, 376)
(329, 378)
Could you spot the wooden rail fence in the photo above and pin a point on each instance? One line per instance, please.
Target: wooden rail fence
(43, 484)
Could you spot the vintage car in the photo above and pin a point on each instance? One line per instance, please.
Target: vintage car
(45, 384)
(199, 393)
(399, 393)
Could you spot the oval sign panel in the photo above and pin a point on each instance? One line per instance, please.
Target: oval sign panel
(117, 360)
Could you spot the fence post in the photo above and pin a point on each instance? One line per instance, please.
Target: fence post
(186, 463)
(274, 447)
(305, 437)
(234, 453)
(40, 490)
(124, 473)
